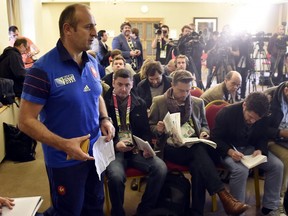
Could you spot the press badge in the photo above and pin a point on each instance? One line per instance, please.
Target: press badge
(163, 54)
(125, 136)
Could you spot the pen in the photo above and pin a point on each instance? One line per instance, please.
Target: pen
(234, 148)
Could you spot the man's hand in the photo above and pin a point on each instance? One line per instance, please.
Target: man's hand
(122, 147)
(4, 201)
(107, 129)
(235, 155)
(257, 152)
(73, 148)
(147, 154)
(204, 135)
(283, 133)
(160, 127)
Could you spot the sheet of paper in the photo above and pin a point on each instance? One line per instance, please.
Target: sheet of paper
(103, 153)
(143, 145)
(24, 206)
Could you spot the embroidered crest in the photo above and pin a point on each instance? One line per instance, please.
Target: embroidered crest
(61, 190)
(94, 72)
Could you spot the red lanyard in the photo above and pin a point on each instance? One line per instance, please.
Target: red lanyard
(117, 110)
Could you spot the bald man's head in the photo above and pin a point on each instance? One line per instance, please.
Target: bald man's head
(233, 81)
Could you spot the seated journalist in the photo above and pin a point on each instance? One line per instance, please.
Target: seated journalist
(129, 115)
(201, 166)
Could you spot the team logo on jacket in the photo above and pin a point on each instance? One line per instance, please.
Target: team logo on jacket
(94, 72)
(61, 190)
(64, 80)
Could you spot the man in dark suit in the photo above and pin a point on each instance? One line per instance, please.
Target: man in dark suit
(127, 45)
(103, 53)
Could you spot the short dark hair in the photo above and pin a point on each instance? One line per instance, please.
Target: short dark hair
(124, 24)
(257, 102)
(184, 27)
(152, 68)
(118, 57)
(100, 34)
(68, 16)
(13, 28)
(165, 26)
(135, 31)
(20, 41)
(183, 76)
(123, 73)
(115, 52)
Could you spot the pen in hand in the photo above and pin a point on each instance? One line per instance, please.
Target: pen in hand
(236, 155)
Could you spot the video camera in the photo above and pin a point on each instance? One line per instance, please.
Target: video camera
(158, 29)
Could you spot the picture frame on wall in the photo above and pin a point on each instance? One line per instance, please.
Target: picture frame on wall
(206, 24)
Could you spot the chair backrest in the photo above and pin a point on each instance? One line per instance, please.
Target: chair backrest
(212, 109)
(196, 92)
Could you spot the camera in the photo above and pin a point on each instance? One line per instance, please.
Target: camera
(158, 29)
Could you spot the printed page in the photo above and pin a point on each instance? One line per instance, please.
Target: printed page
(143, 145)
(104, 153)
(24, 206)
(192, 140)
(249, 161)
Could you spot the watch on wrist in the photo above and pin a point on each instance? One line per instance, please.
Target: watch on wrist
(105, 118)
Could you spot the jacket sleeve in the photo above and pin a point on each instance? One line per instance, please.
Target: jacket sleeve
(219, 133)
(17, 66)
(118, 44)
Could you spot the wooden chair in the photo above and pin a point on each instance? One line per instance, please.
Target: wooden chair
(211, 110)
(130, 173)
(172, 166)
(196, 92)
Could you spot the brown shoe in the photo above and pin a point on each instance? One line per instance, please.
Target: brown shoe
(231, 205)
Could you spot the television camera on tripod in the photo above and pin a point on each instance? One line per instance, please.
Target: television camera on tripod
(277, 48)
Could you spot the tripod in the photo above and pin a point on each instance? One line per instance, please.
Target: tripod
(252, 80)
(261, 56)
(219, 71)
(279, 59)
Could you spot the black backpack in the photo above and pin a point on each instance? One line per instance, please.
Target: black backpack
(7, 95)
(19, 146)
(175, 195)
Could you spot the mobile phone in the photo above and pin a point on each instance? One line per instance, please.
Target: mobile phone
(129, 144)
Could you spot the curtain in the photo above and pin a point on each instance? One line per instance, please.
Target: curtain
(13, 11)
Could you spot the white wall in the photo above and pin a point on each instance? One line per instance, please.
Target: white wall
(3, 26)
(42, 19)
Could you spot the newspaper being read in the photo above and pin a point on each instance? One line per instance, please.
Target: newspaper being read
(180, 134)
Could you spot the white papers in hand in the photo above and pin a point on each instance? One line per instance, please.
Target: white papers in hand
(24, 206)
(103, 153)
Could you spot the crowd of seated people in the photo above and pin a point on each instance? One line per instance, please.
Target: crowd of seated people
(135, 88)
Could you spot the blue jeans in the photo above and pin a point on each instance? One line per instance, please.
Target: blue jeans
(75, 191)
(273, 178)
(115, 172)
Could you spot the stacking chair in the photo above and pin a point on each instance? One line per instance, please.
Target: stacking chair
(130, 173)
(196, 92)
(211, 110)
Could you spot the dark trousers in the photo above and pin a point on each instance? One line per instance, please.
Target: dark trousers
(75, 191)
(202, 169)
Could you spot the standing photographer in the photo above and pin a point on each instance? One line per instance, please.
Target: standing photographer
(277, 49)
(162, 44)
(244, 62)
(192, 45)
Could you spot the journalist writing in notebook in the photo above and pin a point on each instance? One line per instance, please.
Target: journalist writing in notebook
(246, 134)
(201, 166)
